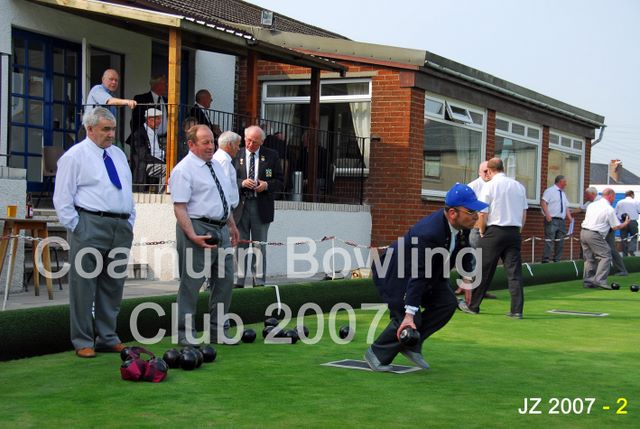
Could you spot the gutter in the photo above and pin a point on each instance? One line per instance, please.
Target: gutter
(515, 95)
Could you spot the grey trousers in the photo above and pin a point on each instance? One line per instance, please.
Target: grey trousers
(90, 282)
(616, 259)
(252, 228)
(194, 268)
(597, 258)
(554, 230)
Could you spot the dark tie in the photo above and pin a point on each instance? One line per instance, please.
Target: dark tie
(561, 206)
(111, 170)
(225, 207)
(252, 167)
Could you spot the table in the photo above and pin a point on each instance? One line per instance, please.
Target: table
(36, 228)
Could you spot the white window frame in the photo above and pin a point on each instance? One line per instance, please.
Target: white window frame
(573, 151)
(462, 117)
(469, 126)
(356, 98)
(526, 139)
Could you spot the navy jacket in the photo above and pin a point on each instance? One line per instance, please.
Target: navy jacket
(269, 170)
(416, 278)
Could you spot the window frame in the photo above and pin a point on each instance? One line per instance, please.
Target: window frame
(525, 139)
(469, 126)
(573, 151)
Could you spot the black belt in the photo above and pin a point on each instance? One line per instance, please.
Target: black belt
(555, 217)
(105, 214)
(211, 221)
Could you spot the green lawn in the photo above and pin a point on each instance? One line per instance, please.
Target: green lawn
(482, 369)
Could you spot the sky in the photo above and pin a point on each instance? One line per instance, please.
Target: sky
(583, 52)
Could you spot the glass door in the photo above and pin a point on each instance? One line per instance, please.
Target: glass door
(45, 91)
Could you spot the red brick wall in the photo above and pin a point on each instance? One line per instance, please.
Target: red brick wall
(393, 188)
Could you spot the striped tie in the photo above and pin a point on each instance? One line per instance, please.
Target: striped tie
(225, 206)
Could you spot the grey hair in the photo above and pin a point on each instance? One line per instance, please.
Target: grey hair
(559, 177)
(91, 117)
(591, 190)
(262, 133)
(227, 138)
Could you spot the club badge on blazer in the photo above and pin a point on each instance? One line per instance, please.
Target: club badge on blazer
(269, 173)
(241, 161)
(262, 158)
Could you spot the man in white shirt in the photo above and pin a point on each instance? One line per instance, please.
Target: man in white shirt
(94, 202)
(598, 220)
(199, 189)
(629, 207)
(555, 208)
(500, 226)
(228, 146)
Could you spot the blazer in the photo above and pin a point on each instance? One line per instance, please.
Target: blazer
(407, 287)
(137, 115)
(270, 171)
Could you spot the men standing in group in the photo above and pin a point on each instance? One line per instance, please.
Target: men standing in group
(500, 227)
(201, 111)
(259, 178)
(406, 287)
(598, 220)
(94, 201)
(102, 94)
(200, 191)
(156, 98)
(630, 208)
(555, 207)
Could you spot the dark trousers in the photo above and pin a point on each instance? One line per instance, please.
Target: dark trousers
(439, 304)
(501, 242)
(629, 236)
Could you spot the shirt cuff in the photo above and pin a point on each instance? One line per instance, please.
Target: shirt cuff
(410, 309)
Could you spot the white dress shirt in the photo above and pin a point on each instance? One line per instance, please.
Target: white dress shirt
(82, 181)
(627, 206)
(226, 162)
(600, 217)
(507, 201)
(191, 183)
(477, 185)
(552, 197)
(247, 159)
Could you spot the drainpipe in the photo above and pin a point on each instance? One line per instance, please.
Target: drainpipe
(593, 143)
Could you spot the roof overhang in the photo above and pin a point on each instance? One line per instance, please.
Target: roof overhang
(197, 34)
(424, 62)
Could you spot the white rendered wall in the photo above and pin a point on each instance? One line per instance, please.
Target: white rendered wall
(216, 73)
(13, 191)
(155, 222)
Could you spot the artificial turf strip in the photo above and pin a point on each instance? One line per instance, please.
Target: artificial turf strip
(482, 369)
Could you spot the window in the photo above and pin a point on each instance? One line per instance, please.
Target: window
(453, 144)
(566, 155)
(345, 113)
(45, 99)
(518, 144)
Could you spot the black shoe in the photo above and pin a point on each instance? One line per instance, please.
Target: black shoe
(238, 286)
(514, 315)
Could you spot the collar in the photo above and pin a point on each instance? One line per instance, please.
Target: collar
(197, 160)
(105, 88)
(95, 149)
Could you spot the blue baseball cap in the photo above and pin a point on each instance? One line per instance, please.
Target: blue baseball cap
(463, 196)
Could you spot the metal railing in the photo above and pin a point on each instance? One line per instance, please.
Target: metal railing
(340, 168)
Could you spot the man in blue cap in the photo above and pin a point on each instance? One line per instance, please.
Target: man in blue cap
(414, 273)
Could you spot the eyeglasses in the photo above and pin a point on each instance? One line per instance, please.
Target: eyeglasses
(467, 211)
